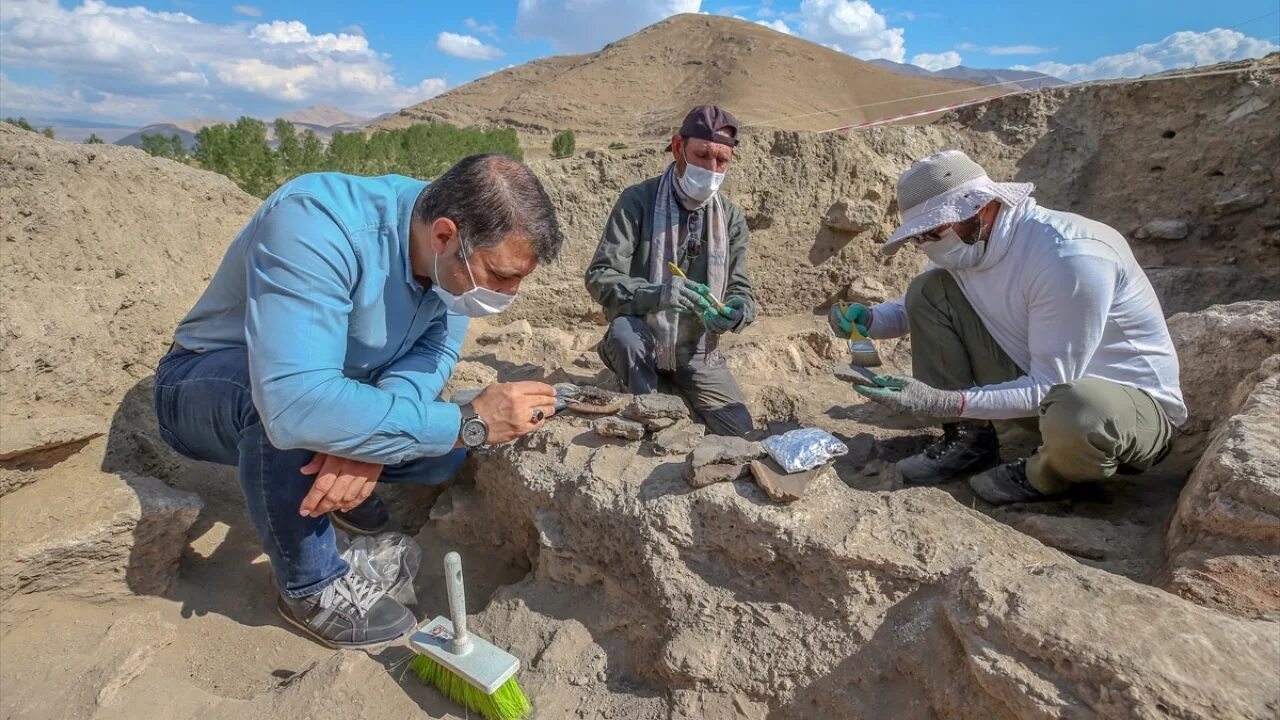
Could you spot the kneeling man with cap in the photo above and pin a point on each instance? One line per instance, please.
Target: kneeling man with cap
(664, 325)
(1022, 312)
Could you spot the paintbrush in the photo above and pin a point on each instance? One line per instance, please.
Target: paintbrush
(861, 349)
(675, 270)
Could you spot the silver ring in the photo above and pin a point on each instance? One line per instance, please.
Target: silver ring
(538, 415)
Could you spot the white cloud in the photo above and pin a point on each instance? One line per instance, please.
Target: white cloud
(588, 25)
(936, 61)
(1179, 50)
(490, 29)
(778, 25)
(247, 10)
(129, 63)
(853, 27)
(466, 47)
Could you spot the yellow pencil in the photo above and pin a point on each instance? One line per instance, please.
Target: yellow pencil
(675, 270)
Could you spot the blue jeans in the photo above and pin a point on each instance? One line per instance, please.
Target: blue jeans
(206, 412)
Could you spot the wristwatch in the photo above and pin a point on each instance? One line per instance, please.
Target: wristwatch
(474, 431)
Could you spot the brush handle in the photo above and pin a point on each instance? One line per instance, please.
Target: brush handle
(457, 602)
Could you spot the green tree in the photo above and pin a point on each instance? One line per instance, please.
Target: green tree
(47, 132)
(563, 145)
(311, 155)
(164, 146)
(93, 139)
(288, 149)
(346, 152)
(20, 122)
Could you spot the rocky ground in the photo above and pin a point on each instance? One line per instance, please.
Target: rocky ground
(131, 584)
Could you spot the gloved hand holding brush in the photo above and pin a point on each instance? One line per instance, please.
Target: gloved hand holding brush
(724, 319)
(844, 317)
(909, 395)
(681, 294)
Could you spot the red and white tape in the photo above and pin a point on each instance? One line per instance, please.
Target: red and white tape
(921, 113)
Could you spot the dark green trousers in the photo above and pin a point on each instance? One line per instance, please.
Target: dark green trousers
(1090, 429)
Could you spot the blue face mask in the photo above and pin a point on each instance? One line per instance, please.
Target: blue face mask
(478, 301)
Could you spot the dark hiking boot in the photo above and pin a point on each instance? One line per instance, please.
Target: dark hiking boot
(368, 518)
(964, 449)
(350, 613)
(1006, 484)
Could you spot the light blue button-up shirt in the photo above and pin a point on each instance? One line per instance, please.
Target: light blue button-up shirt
(347, 352)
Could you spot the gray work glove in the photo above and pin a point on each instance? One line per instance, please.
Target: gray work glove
(680, 294)
(906, 394)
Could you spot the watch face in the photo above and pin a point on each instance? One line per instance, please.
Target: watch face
(474, 432)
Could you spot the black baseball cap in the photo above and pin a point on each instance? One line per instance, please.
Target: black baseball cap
(709, 122)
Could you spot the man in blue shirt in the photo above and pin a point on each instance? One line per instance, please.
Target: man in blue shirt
(315, 359)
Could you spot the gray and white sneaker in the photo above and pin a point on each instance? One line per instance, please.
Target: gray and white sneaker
(350, 613)
(964, 448)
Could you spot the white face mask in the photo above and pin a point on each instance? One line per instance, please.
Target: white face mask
(698, 183)
(953, 253)
(477, 302)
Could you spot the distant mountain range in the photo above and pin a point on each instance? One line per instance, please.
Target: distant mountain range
(1023, 79)
(323, 120)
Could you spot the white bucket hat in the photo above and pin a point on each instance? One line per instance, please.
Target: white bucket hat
(946, 187)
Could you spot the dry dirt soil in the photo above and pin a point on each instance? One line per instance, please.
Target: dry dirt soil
(131, 584)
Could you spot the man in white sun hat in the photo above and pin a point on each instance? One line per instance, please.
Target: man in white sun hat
(1022, 312)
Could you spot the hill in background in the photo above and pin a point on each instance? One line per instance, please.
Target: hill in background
(642, 85)
(1017, 79)
(323, 120)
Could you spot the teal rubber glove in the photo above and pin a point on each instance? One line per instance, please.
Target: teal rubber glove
(726, 319)
(680, 294)
(843, 320)
(909, 395)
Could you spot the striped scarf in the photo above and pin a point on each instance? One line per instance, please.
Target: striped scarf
(664, 247)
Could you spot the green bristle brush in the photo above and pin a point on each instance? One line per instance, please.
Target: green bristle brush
(466, 668)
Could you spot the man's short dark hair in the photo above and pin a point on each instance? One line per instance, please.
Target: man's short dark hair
(490, 197)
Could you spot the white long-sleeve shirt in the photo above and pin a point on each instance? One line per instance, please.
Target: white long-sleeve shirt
(1064, 297)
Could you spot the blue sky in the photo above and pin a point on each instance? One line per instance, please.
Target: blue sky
(135, 63)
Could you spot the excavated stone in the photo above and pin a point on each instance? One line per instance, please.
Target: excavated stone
(866, 290)
(659, 424)
(1240, 202)
(780, 485)
(616, 427)
(595, 401)
(909, 604)
(720, 459)
(25, 437)
(847, 217)
(679, 439)
(1163, 230)
(1250, 329)
(94, 535)
(1224, 539)
(654, 406)
(509, 334)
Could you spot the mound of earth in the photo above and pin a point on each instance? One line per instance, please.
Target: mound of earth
(642, 85)
(132, 583)
(104, 247)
